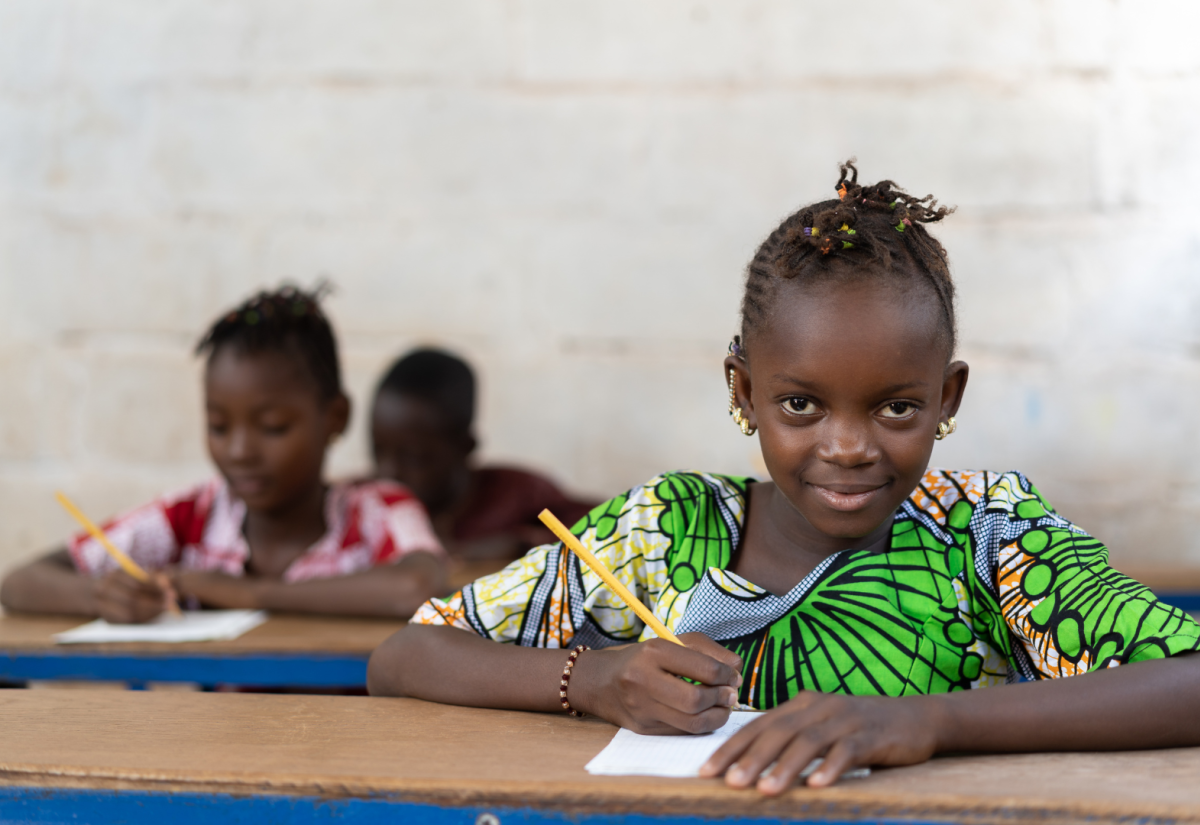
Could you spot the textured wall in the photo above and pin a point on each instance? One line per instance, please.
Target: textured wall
(567, 192)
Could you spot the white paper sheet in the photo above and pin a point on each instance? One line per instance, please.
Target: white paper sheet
(193, 626)
(635, 754)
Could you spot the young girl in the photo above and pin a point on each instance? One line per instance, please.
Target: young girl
(856, 596)
(269, 533)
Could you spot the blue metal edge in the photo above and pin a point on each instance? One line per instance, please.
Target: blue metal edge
(1184, 601)
(50, 806)
(265, 670)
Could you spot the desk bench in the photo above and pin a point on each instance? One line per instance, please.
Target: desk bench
(1178, 586)
(285, 651)
(92, 756)
(297, 651)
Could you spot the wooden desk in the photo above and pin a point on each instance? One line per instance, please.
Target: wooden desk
(156, 757)
(303, 651)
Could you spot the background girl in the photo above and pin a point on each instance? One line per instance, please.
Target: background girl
(856, 595)
(269, 533)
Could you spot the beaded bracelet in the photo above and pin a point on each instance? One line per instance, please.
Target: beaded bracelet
(566, 678)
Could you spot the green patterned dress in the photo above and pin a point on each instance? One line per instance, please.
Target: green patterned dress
(982, 583)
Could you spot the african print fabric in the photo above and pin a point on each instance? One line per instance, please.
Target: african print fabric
(982, 583)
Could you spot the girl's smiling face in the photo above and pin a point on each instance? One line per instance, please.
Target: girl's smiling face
(846, 382)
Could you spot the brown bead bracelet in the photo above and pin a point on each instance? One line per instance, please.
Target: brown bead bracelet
(566, 679)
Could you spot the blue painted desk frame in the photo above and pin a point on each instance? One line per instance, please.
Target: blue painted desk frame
(50, 806)
(1184, 601)
(300, 669)
(286, 651)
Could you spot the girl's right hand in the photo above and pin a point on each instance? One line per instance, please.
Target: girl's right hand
(122, 599)
(638, 686)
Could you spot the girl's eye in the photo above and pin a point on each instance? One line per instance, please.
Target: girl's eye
(276, 429)
(898, 409)
(800, 406)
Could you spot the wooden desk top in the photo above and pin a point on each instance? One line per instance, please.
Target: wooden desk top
(462, 573)
(282, 633)
(1165, 579)
(249, 744)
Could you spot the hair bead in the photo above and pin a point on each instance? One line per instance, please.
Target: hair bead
(288, 320)
(887, 238)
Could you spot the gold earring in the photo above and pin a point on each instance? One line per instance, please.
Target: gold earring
(946, 427)
(738, 417)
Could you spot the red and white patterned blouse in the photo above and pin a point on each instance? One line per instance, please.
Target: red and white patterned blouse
(370, 523)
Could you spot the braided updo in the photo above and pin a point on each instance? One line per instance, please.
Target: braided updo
(288, 320)
(873, 230)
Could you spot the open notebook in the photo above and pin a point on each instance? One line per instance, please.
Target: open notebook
(192, 626)
(632, 753)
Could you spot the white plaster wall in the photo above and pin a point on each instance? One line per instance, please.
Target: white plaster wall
(567, 192)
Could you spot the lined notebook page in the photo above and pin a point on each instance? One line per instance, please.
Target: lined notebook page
(194, 626)
(635, 754)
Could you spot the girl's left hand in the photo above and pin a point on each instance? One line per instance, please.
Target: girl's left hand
(216, 589)
(848, 731)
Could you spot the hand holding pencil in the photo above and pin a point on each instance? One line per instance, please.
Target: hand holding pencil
(644, 692)
(118, 594)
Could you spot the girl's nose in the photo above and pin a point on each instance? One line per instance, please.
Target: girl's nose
(848, 443)
(241, 444)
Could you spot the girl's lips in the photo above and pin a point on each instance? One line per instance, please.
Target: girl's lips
(247, 486)
(846, 502)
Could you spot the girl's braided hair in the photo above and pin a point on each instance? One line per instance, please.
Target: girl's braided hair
(287, 320)
(877, 228)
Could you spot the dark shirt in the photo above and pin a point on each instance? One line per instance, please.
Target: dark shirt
(506, 500)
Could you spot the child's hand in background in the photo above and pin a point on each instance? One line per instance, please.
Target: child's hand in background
(638, 686)
(122, 599)
(848, 731)
(217, 589)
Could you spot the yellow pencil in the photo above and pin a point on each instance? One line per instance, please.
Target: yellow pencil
(635, 604)
(127, 564)
(568, 538)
